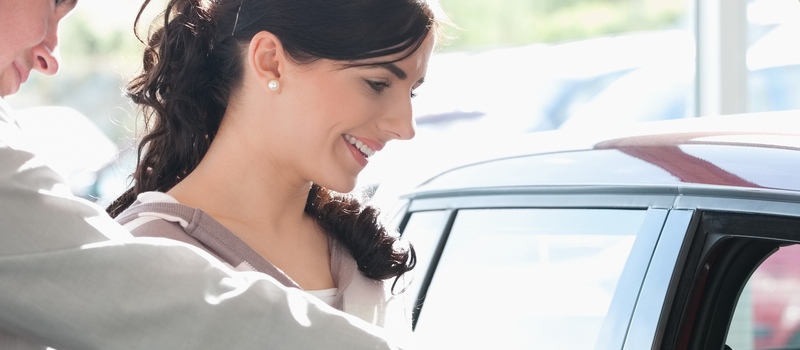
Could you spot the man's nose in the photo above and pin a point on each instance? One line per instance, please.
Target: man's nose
(45, 60)
(45, 55)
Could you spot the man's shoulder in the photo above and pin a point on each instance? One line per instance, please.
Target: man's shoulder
(10, 134)
(5, 111)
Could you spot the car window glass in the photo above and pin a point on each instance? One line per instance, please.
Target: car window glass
(423, 230)
(767, 315)
(526, 278)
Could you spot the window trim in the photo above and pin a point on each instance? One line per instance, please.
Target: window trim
(624, 301)
(658, 291)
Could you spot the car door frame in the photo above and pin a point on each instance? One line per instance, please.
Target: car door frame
(670, 301)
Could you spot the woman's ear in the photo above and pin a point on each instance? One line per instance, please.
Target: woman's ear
(266, 59)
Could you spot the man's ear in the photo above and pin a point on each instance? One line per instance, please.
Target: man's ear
(266, 58)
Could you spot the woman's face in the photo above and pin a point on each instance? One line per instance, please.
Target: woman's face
(28, 38)
(333, 119)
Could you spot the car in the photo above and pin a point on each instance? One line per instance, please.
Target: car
(676, 234)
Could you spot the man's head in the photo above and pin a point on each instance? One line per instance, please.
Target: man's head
(28, 39)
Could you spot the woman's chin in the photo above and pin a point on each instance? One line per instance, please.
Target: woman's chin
(341, 187)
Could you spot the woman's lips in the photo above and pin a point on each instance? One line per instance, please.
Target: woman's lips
(361, 146)
(361, 149)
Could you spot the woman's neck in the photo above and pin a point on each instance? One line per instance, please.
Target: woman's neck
(259, 203)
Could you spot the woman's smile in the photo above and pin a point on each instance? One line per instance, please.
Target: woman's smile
(360, 150)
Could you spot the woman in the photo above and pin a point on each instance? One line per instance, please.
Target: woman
(260, 114)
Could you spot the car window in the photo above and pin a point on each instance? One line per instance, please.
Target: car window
(526, 278)
(767, 315)
(423, 230)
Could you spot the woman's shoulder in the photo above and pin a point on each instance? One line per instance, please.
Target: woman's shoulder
(369, 299)
(374, 302)
(156, 214)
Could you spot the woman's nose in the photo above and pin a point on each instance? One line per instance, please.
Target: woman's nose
(400, 123)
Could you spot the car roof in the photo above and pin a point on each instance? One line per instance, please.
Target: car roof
(757, 151)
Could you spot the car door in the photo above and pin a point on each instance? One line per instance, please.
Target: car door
(739, 285)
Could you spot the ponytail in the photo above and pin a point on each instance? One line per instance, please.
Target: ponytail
(378, 254)
(183, 90)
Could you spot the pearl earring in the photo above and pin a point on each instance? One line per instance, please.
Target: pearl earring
(273, 85)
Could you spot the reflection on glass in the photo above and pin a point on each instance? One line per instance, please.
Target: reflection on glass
(527, 278)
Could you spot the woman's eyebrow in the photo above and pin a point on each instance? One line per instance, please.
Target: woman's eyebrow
(394, 69)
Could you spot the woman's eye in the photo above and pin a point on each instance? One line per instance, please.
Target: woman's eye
(378, 86)
(413, 94)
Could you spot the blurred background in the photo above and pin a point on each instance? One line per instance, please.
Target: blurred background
(510, 66)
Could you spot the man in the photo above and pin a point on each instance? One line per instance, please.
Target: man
(71, 278)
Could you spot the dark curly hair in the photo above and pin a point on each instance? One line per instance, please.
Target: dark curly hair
(193, 62)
